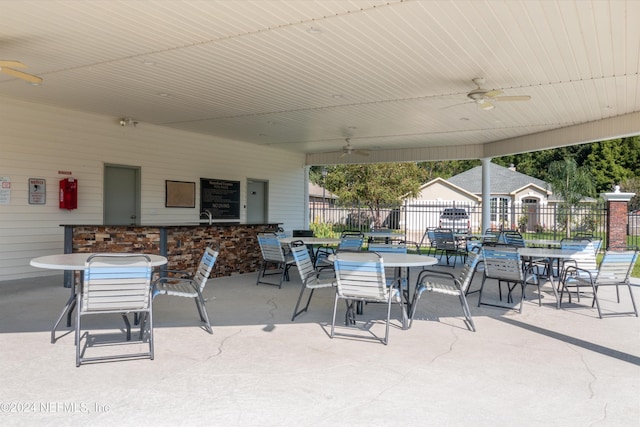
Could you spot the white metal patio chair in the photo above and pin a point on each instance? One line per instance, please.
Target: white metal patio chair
(309, 275)
(350, 241)
(273, 254)
(505, 265)
(440, 282)
(400, 275)
(120, 284)
(449, 246)
(360, 277)
(614, 270)
(182, 284)
(583, 259)
(428, 238)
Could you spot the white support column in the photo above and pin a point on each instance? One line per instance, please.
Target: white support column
(486, 194)
(307, 169)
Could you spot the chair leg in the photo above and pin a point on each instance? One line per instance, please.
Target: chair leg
(467, 312)
(333, 319)
(150, 326)
(203, 312)
(128, 325)
(633, 302)
(199, 309)
(414, 302)
(142, 319)
(385, 341)
(306, 307)
(69, 306)
(78, 330)
(595, 299)
(261, 272)
(350, 313)
(484, 278)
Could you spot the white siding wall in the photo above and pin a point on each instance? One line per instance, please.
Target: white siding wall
(38, 141)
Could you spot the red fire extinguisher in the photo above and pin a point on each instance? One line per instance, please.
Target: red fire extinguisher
(68, 193)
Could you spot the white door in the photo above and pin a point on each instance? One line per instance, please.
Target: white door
(121, 195)
(257, 202)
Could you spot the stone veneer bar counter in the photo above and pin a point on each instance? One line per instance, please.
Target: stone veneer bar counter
(183, 245)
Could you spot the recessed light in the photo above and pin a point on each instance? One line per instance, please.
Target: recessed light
(464, 119)
(314, 30)
(337, 96)
(162, 94)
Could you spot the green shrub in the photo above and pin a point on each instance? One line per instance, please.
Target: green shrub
(323, 230)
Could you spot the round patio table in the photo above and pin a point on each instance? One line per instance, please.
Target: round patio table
(75, 262)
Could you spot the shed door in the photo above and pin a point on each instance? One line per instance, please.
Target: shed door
(121, 195)
(257, 202)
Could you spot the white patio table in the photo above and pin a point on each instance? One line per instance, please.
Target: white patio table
(399, 260)
(310, 240)
(549, 255)
(542, 242)
(75, 262)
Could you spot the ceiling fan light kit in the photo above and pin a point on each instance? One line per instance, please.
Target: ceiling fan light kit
(126, 121)
(482, 96)
(348, 150)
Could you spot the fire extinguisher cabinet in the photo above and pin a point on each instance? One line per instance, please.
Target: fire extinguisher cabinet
(68, 193)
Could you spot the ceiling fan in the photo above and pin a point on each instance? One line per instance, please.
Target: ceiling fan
(9, 67)
(348, 149)
(485, 97)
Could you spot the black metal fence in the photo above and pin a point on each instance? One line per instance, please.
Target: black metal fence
(412, 218)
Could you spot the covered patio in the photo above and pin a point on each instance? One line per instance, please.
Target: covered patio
(541, 367)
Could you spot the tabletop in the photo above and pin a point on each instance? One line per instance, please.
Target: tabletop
(310, 240)
(542, 242)
(76, 261)
(547, 252)
(404, 260)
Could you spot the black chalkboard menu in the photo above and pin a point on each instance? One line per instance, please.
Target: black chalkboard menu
(220, 197)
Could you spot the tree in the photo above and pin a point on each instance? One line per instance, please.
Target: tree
(571, 183)
(375, 185)
(606, 162)
(632, 185)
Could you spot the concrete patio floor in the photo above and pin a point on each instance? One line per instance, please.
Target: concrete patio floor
(542, 367)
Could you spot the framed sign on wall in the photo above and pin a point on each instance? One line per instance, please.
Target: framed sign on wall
(220, 197)
(180, 194)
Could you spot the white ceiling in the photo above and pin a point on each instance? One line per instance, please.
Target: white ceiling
(303, 75)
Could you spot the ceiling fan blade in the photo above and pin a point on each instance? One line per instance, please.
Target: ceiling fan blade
(19, 74)
(362, 152)
(455, 105)
(492, 93)
(12, 64)
(512, 98)
(487, 106)
(344, 153)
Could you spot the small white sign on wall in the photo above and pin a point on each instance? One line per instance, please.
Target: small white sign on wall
(5, 190)
(37, 191)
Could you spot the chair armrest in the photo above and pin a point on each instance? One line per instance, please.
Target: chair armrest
(433, 273)
(320, 282)
(175, 279)
(325, 272)
(575, 271)
(184, 274)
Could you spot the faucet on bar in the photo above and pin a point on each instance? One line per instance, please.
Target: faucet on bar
(208, 214)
